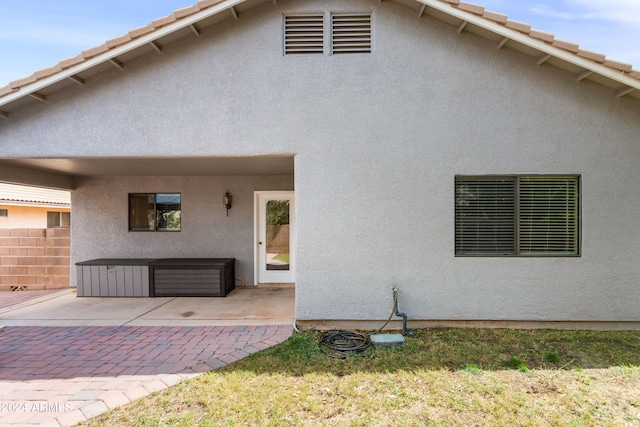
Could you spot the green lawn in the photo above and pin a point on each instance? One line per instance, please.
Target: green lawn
(283, 258)
(440, 377)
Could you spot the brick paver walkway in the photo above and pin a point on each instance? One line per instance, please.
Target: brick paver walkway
(60, 376)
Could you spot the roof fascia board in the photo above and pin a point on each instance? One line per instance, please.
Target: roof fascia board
(531, 42)
(35, 204)
(115, 52)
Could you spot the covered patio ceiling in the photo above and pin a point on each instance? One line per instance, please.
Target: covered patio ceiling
(174, 166)
(33, 171)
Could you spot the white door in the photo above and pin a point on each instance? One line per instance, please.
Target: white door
(275, 237)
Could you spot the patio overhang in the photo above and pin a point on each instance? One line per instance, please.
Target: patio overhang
(60, 173)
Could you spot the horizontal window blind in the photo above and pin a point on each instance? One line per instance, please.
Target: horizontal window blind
(517, 215)
(485, 216)
(304, 34)
(548, 215)
(351, 33)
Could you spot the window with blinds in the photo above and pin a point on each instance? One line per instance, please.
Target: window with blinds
(350, 33)
(517, 215)
(304, 34)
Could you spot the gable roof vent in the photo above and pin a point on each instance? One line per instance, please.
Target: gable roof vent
(304, 34)
(351, 33)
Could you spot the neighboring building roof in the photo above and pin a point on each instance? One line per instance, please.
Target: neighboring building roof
(33, 196)
(586, 65)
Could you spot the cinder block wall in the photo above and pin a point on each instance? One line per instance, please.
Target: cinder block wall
(34, 259)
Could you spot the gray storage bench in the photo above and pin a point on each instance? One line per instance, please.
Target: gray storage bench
(168, 277)
(111, 277)
(192, 277)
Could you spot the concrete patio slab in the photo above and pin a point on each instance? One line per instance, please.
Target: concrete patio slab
(264, 305)
(247, 306)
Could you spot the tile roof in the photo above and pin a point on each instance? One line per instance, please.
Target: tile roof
(597, 62)
(23, 195)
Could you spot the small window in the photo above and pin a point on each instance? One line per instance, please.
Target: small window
(154, 212)
(4, 212)
(517, 215)
(58, 219)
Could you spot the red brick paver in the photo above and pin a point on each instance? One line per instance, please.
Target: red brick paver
(66, 375)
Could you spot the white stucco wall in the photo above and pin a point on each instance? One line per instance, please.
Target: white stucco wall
(378, 140)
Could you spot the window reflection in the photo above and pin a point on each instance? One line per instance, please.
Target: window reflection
(277, 239)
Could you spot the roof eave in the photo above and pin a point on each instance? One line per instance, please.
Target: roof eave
(35, 204)
(111, 54)
(539, 45)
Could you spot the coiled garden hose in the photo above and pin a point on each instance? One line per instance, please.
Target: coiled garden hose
(341, 344)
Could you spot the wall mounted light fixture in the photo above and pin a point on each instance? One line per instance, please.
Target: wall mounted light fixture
(227, 201)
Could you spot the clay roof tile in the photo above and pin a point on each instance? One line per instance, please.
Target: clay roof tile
(621, 66)
(542, 35)
(23, 194)
(6, 90)
(569, 46)
(186, 11)
(203, 4)
(471, 7)
(118, 41)
(165, 20)
(23, 81)
(46, 72)
(500, 18)
(95, 51)
(594, 56)
(69, 62)
(523, 27)
(141, 31)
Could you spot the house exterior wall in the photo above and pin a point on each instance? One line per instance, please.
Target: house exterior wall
(378, 140)
(100, 224)
(27, 216)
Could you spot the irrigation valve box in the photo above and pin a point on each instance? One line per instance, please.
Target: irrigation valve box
(387, 339)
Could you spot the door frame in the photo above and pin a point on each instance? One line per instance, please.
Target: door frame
(257, 196)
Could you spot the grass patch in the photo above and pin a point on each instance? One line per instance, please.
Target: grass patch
(439, 377)
(472, 369)
(551, 356)
(516, 363)
(283, 258)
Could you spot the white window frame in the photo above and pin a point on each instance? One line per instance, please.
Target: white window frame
(61, 222)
